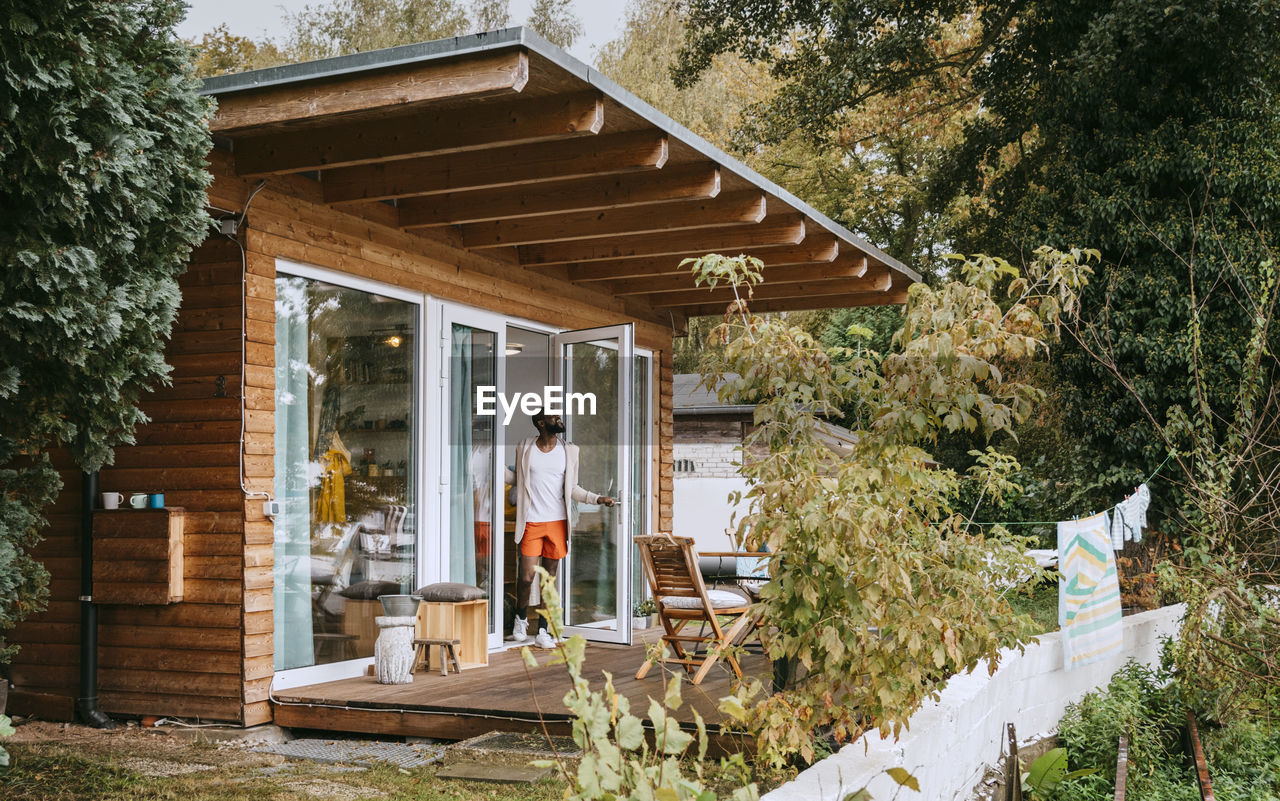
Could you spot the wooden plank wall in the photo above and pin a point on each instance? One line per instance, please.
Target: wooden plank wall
(46, 670)
(184, 658)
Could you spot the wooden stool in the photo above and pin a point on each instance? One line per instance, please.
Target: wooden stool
(422, 654)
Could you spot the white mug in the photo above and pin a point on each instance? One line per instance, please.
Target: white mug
(112, 500)
(138, 501)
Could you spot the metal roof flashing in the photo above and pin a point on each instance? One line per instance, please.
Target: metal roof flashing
(458, 46)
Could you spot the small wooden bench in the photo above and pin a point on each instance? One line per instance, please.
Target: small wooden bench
(448, 654)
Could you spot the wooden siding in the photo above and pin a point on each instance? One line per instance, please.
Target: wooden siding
(183, 659)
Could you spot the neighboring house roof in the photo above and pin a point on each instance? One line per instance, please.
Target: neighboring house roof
(551, 167)
(689, 398)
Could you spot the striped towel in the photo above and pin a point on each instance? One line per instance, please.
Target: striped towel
(1088, 592)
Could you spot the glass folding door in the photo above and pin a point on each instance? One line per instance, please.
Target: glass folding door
(345, 468)
(595, 369)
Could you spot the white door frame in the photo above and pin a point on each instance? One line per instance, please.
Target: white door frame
(351, 668)
(625, 335)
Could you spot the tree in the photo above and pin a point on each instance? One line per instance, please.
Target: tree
(1228, 463)
(555, 21)
(357, 26)
(880, 588)
(639, 60)
(102, 152)
(490, 15)
(220, 52)
(1112, 125)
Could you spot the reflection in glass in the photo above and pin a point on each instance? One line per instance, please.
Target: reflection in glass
(592, 583)
(344, 467)
(641, 456)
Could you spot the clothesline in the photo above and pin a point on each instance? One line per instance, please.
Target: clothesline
(1055, 522)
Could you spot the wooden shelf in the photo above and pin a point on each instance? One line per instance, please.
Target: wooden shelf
(137, 556)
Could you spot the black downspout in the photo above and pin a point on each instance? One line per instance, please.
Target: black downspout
(87, 704)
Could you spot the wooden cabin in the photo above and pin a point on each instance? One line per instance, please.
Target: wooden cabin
(400, 230)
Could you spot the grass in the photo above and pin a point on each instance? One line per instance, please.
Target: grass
(118, 768)
(1039, 601)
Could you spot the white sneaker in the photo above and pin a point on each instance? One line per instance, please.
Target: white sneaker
(520, 629)
(545, 640)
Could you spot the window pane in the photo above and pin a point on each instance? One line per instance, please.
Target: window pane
(344, 467)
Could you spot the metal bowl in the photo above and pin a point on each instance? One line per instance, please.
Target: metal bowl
(399, 605)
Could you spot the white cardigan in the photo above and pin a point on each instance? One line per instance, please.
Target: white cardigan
(572, 492)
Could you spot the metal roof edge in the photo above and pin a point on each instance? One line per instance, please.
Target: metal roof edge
(679, 410)
(387, 58)
(524, 37)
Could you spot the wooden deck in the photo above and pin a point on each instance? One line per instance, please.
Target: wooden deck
(499, 697)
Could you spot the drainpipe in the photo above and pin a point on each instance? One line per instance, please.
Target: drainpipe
(87, 704)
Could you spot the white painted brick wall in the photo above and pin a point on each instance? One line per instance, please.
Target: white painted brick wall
(951, 741)
(710, 460)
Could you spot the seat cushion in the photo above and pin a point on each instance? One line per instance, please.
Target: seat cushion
(720, 599)
(370, 590)
(451, 592)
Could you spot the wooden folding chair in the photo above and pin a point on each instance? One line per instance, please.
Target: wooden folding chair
(671, 568)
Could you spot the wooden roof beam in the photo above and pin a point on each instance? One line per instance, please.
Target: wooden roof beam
(673, 183)
(787, 230)
(431, 131)
(846, 267)
(507, 166)
(877, 280)
(894, 297)
(734, 209)
(817, 247)
(489, 75)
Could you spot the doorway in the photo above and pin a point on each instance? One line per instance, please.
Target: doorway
(485, 352)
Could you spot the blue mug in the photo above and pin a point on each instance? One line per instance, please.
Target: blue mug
(155, 500)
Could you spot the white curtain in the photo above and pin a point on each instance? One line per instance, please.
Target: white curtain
(462, 537)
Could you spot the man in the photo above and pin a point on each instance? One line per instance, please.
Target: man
(546, 481)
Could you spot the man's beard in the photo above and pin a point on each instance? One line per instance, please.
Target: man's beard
(555, 428)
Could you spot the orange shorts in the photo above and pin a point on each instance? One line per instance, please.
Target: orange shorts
(550, 540)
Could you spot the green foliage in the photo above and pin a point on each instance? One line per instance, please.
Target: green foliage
(619, 761)
(342, 27)
(220, 52)
(639, 61)
(102, 145)
(1228, 574)
(1049, 771)
(1244, 758)
(880, 589)
(556, 22)
(490, 15)
(6, 730)
(1132, 127)
(1143, 705)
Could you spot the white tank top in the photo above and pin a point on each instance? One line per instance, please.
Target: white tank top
(546, 485)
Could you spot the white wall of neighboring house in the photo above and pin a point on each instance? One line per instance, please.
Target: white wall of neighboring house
(702, 510)
(706, 454)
